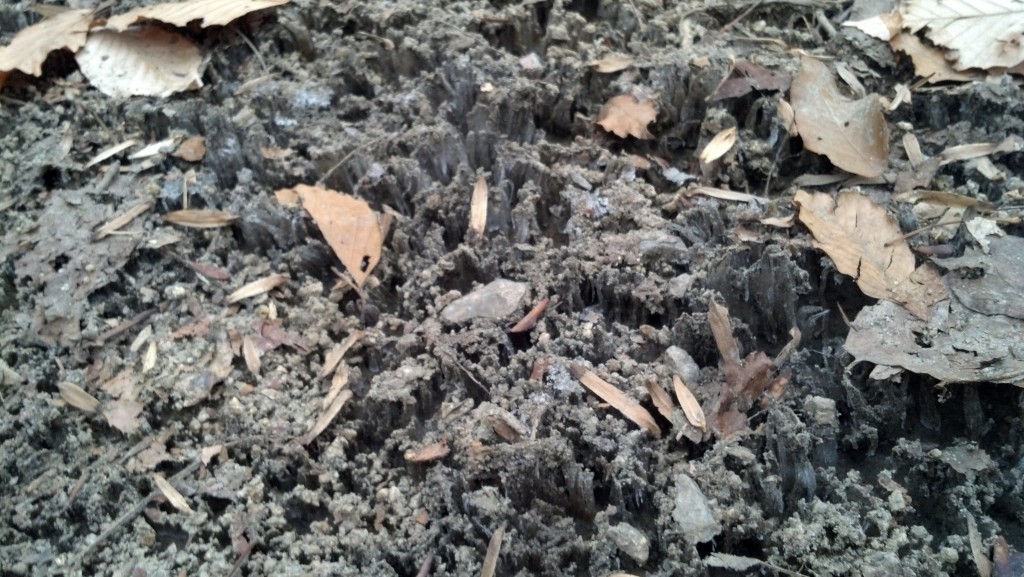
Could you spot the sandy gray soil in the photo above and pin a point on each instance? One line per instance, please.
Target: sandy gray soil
(405, 104)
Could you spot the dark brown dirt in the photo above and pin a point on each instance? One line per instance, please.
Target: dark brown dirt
(841, 475)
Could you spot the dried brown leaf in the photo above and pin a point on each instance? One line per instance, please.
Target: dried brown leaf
(197, 218)
(625, 115)
(30, 47)
(853, 134)
(145, 62)
(257, 287)
(207, 12)
(352, 229)
(866, 243)
(251, 355)
(930, 62)
(979, 33)
(881, 26)
(175, 498)
(77, 397)
(691, 407)
(719, 145)
(662, 401)
(616, 398)
(123, 415)
(431, 452)
(327, 416)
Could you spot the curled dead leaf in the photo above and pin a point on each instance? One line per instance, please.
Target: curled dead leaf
(719, 145)
(257, 287)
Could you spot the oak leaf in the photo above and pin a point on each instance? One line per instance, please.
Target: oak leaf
(625, 115)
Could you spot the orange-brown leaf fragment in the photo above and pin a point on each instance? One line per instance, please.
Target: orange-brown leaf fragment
(351, 228)
(853, 134)
(30, 47)
(625, 115)
(866, 243)
(617, 399)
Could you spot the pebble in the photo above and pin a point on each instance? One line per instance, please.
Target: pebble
(692, 513)
(630, 541)
(496, 300)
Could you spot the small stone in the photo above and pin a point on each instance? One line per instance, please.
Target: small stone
(681, 363)
(495, 301)
(630, 541)
(822, 411)
(692, 513)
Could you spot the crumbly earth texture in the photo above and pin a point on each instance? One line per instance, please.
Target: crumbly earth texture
(406, 105)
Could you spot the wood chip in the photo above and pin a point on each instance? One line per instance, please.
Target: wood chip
(77, 397)
(611, 63)
(173, 496)
(149, 359)
(257, 287)
(721, 329)
(691, 407)
(478, 208)
(431, 452)
(616, 398)
(493, 551)
(197, 218)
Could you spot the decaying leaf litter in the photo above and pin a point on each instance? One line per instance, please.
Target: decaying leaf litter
(619, 286)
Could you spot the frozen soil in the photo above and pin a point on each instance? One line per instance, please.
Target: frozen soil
(405, 104)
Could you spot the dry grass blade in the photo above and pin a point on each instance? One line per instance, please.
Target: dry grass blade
(478, 208)
(338, 382)
(616, 398)
(77, 397)
(30, 47)
(257, 287)
(327, 416)
(493, 551)
(431, 452)
(196, 218)
(111, 151)
(691, 407)
(120, 221)
(662, 401)
(722, 194)
(721, 329)
(173, 496)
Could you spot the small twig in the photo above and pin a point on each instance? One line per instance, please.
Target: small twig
(125, 326)
(130, 514)
(345, 158)
(263, 63)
